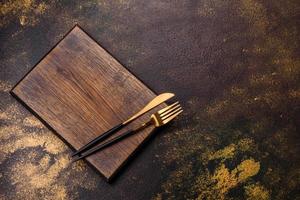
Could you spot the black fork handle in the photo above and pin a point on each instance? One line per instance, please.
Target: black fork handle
(98, 139)
(106, 144)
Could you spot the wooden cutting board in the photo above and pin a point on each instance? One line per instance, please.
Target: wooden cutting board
(80, 91)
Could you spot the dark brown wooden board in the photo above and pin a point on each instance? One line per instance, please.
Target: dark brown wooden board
(80, 91)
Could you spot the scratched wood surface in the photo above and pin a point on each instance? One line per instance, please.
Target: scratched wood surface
(80, 91)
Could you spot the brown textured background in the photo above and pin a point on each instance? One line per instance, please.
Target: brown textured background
(234, 64)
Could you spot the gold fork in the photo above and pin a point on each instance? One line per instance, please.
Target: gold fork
(157, 119)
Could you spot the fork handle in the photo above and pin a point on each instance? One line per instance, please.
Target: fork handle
(106, 144)
(98, 139)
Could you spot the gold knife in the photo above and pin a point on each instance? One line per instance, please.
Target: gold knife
(152, 104)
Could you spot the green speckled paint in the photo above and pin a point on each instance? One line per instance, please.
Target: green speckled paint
(234, 64)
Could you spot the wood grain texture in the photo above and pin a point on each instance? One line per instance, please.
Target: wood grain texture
(80, 91)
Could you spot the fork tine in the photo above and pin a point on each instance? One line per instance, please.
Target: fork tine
(172, 117)
(170, 110)
(171, 113)
(167, 108)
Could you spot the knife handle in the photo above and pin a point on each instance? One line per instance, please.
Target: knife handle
(98, 139)
(105, 144)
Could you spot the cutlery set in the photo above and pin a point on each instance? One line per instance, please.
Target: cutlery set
(157, 119)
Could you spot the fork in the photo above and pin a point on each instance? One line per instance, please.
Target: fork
(157, 119)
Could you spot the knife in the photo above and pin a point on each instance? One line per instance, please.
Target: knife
(152, 104)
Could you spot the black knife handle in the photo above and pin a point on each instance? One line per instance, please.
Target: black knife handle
(105, 144)
(98, 139)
